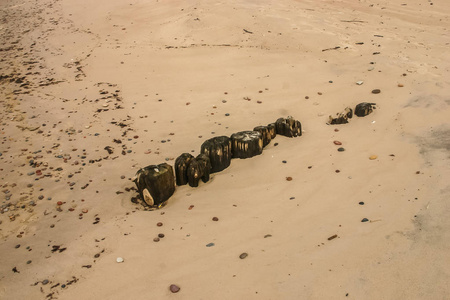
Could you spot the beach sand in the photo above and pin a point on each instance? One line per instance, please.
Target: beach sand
(154, 79)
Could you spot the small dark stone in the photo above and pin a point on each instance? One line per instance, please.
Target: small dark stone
(17, 246)
(161, 235)
(276, 144)
(28, 262)
(243, 255)
(361, 203)
(227, 115)
(45, 281)
(376, 91)
(284, 162)
(174, 288)
(340, 149)
(156, 239)
(159, 224)
(365, 220)
(97, 255)
(215, 219)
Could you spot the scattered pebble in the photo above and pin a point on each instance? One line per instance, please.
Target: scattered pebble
(174, 288)
(332, 237)
(361, 203)
(161, 235)
(376, 91)
(400, 85)
(243, 255)
(156, 239)
(340, 149)
(215, 219)
(45, 281)
(120, 260)
(289, 178)
(210, 245)
(372, 157)
(364, 220)
(337, 143)
(359, 82)
(159, 224)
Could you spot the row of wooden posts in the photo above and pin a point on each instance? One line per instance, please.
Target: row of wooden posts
(156, 183)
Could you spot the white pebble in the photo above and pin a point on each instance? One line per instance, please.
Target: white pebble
(120, 260)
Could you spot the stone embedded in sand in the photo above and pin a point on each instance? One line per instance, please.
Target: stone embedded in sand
(376, 91)
(364, 220)
(174, 288)
(156, 239)
(159, 224)
(120, 260)
(161, 235)
(337, 143)
(372, 157)
(243, 255)
(289, 178)
(215, 219)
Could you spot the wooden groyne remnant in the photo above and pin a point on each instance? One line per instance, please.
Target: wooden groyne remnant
(156, 183)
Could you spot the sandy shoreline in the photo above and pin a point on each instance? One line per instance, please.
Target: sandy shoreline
(78, 76)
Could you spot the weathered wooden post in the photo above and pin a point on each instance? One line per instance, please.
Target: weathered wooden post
(272, 130)
(364, 108)
(199, 168)
(218, 149)
(266, 134)
(341, 118)
(155, 183)
(246, 144)
(181, 167)
(288, 127)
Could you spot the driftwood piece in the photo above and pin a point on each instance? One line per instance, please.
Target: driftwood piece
(265, 133)
(199, 168)
(246, 144)
(341, 118)
(288, 127)
(218, 149)
(155, 183)
(364, 108)
(181, 166)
